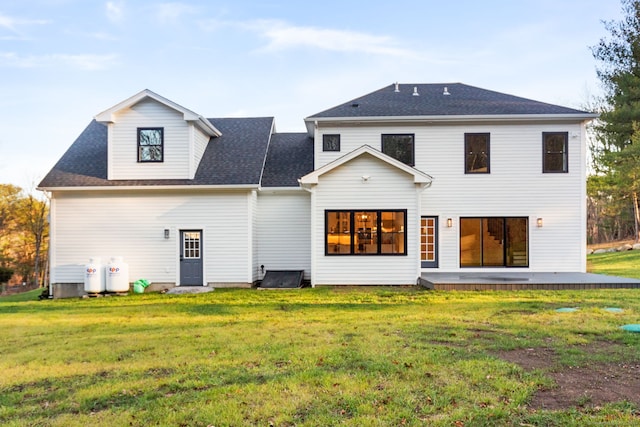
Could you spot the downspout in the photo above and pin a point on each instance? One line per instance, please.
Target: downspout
(312, 231)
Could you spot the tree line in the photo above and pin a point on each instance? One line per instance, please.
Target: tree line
(613, 187)
(24, 232)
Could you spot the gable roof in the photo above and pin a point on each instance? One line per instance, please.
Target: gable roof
(205, 125)
(290, 157)
(462, 101)
(419, 177)
(236, 158)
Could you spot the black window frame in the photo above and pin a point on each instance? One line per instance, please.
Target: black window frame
(353, 232)
(327, 143)
(468, 153)
(506, 247)
(140, 146)
(385, 150)
(564, 154)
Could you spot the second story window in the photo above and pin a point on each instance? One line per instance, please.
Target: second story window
(331, 142)
(476, 153)
(554, 152)
(150, 144)
(400, 147)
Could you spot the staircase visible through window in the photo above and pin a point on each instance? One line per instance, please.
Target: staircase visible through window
(494, 242)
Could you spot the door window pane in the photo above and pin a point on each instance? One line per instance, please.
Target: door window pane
(191, 244)
(493, 242)
(470, 242)
(428, 236)
(518, 252)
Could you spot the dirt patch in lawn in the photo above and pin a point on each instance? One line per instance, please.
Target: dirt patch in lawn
(590, 384)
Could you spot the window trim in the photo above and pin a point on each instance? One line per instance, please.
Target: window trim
(352, 232)
(565, 154)
(413, 146)
(140, 160)
(325, 140)
(467, 171)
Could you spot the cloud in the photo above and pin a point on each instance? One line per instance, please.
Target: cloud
(115, 11)
(13, 24)
(170, 13)
(87, 62)
(281, 36)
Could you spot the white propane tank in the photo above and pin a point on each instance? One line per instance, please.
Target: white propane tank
(94, 282)
(117, 275)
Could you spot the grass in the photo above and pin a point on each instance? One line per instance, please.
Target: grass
(624, 264)
(31, 295)
(312, 357)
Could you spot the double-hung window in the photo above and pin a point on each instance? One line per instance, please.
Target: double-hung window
(365, 232)
(555, 157)
(150, 145)
(476, 153)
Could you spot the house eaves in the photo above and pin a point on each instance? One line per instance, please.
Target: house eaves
(313, 123)
(108, 116)
(153, 188)
(419, 177)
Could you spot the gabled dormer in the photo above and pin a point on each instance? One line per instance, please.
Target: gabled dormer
(151, 137)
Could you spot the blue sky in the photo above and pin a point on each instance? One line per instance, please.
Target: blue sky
(64, 61)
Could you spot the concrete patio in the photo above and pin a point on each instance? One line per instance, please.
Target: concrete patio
(523, 280)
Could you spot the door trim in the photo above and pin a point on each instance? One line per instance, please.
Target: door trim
(197, 252)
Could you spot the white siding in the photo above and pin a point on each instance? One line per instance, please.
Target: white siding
(132, 225)
(123, 143)
(515, 185)
(387, 188)
(253, 236)
(284, 231)
(201, 140)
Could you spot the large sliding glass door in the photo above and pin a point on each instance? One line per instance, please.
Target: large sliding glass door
(494, 242)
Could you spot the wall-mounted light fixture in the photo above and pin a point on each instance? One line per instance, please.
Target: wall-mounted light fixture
(366, 178)
(166, 233)
(449, 222)
(539, 222)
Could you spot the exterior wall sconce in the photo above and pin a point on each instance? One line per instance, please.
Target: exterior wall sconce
(539, 222)
(166, 233)
(366, 178)
(449, 222)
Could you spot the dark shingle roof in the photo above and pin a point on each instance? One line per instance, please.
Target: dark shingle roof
(238, 155)
(290, 157)
(463, 100)
(235, 158)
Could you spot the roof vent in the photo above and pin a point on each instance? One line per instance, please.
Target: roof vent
(355, 105)
(397, 87)
(446, 91)
(415, 91)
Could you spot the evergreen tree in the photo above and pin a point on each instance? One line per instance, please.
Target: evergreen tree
(617, 157)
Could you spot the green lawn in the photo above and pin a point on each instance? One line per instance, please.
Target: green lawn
(624, 264)
(311, 357)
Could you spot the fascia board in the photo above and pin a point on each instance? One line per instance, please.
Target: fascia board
(419, 177)
(107, 116)
(311, 121)
(151, 187)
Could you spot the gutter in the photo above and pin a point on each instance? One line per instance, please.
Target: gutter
(152, 187)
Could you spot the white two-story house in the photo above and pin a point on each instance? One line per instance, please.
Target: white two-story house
(409, 179)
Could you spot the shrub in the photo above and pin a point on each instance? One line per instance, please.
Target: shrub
(5, 274)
